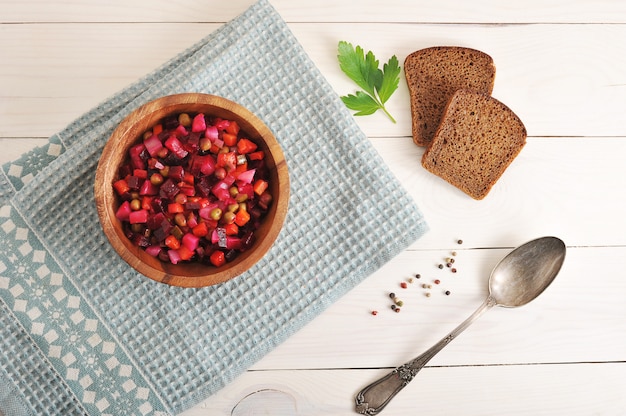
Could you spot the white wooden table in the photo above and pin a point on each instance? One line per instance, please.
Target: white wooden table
(561, 66)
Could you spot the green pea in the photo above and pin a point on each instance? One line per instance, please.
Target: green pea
(184, 119)
(156, 179)
(180, 219)
(216, 214)
(135, 205)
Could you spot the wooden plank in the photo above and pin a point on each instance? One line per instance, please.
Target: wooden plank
(570, 187)
(586, 298)
(446, 11)
(576, 390)
(555, 77)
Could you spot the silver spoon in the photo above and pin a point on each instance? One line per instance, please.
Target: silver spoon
(518, 278)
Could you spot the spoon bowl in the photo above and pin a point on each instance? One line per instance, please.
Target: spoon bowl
(526, 272)
(517, 279)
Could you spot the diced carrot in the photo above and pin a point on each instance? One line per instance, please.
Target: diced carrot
(231, 229)
(172, 242)
(121, 186)
(233, 128)
(185, 253)
(258, 155)
(242, 217)
(217, 258)
(200, 230)
(175, 208)
(140, 173)
(146, 202)
(260, 186)
(188, 178)
(229, 139)
(245, 146)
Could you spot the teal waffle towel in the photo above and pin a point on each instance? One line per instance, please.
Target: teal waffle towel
(83, 333)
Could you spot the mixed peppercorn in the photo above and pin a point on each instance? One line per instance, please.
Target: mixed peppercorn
(397, 303)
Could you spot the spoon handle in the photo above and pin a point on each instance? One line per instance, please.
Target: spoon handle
(374, 397)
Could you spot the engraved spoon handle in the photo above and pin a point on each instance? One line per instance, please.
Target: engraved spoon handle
(374, 397)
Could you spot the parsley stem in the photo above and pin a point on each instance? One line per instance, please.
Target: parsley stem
(382, 107)
(388, 115)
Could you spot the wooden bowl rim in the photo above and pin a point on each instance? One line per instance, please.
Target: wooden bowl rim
(143, 118)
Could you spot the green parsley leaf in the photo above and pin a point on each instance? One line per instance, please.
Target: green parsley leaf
(391, 79)
(378, 85)
(361, 102)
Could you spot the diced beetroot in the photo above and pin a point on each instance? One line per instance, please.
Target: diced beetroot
(174, 256)
(176, 147)
(158, 205)
(211, 133)
(155, 164)
(134, 182)
(188, 190)
(203, 186)
(153, 145)
(138, 217)
(155, 221)
(247, 176)
(218, 143)
(233, 243)
(169, 189)
(153, 250)
(141, 240)
(220, 190)
(177, 173)
(192, 205)
(171, 159)
(265, 200)
(192, 220)
(181, 131)
(163, 231)
(246, 189)
(202, 164)
(123, 211)
(190, 241)
(247, 240)
(222, 124)
(148, 188)
(125, 170)
(199, 123)
(136, 158)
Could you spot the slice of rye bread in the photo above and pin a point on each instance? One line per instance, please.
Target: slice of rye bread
(434, 74)
(477, 140)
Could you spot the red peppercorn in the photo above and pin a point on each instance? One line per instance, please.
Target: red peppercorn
(403, 285)
(453, 270)
(374, 313)
(437, 281)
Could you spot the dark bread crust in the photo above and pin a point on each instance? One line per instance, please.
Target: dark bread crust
(434, 74)
(477, 140)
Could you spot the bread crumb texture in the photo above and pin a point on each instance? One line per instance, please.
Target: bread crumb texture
(476, 141)
(434, 74)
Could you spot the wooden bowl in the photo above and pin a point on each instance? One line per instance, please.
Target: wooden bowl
(129, 132)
